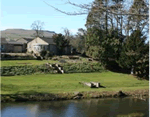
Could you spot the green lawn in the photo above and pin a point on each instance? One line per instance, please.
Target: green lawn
(58, 83)
(25, 62)
(38, 62)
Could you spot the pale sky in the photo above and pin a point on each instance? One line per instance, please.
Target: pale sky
(22, 13)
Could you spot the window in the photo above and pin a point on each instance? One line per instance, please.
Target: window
(38, 48)
(34, 48)
(2, 47)
(42, 47)
(45, 47)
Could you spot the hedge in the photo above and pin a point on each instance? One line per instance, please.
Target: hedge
(24, 70)
(83, 67)
(68, 68)
(16, 57)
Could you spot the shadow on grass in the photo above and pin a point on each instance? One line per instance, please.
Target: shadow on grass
(31, 95)
(33, 92)
(8, 87)
(99, 87)
(117, 69)
(30, 92)
(102, 86)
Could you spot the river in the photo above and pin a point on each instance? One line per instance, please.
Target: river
(108, 107)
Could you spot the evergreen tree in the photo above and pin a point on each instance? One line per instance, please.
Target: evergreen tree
(134, 49)
(103, 39)
(142, 69)
(104, 47)
(61, 42)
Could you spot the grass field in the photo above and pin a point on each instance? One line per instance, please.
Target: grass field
(25, 62)
(58, 83)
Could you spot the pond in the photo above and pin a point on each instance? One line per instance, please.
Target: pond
(108, 107)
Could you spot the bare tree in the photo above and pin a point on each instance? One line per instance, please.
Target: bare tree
(67, 33)
(112, 14)
(86, 8)
(37, 26)
(108, 13)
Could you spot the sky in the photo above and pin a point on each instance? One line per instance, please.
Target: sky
(20, 14)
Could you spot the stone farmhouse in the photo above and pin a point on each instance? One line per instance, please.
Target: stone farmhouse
(36, 45)
(39, 44)
(11, 46)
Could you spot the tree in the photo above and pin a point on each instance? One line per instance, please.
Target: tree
(86, 8)
(61, 42)
(139, 22)
(142, 69)
(78, 41)
(134, 51)
(103, 38)
(104, 47)
(37, 26)
(115, 31)
(80, 36)
(112, 9)
(67, 34)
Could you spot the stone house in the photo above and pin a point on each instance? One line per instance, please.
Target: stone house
(24, 41)
(8, 46)
(3, 43)
(39, 44)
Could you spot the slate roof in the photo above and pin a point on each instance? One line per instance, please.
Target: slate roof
(16, 43)
(24, 40)
(48, 40)
(9, 41)
(3, 40)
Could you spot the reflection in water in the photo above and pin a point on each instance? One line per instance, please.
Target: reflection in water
(123, 107)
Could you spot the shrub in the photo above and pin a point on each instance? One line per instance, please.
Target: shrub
(83, 67)
(32, 52)
(46, 54)
(24, 70)
(73, 57)
(62, 61)
(68, 68)
(5, 56)
(16, 57)
(43, 53)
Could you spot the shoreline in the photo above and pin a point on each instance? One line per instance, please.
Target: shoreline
(72, 96)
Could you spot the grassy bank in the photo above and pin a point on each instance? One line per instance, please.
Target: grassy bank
(39, 62)
(25, 62)
(60, 83)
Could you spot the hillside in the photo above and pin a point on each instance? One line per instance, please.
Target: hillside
(18, 33)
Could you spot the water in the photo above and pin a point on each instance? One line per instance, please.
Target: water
(125, 107)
